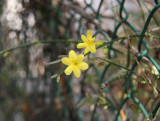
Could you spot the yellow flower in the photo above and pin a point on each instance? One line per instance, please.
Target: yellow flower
(88, 44)
(75, 63)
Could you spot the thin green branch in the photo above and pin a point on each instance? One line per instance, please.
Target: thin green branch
(36, 42)
(107, 60)
(57, 41)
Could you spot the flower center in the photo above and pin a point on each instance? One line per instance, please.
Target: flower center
(89, 42)
(75, 63)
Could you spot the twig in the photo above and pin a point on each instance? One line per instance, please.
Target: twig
(120, 67)
(36, 42)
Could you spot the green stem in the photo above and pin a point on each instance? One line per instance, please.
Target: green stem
(36, 42)
(56, 41)
(121, 67)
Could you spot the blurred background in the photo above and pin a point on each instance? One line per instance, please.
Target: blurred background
(27, 92)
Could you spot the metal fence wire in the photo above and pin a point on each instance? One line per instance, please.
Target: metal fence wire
(112, 38)
(135, 57)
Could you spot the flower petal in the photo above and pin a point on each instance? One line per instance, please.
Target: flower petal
(86, 50)
(68, 70)
(92, 39)
(84, 38)
(81, 45)
(66, 61)
(77, 72)
(92, 48)
(72, 55)
(80, 58)
(89, 34)
(83, 66)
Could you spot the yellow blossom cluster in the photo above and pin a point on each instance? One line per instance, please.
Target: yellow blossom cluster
(75, 63)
